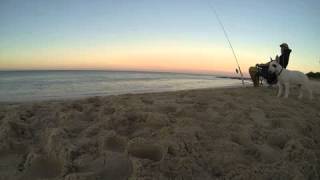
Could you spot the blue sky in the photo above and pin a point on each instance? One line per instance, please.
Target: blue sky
(256, 28)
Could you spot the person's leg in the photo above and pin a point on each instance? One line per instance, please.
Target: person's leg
(254, 76)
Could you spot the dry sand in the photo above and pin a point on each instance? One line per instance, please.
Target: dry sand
(235, 133)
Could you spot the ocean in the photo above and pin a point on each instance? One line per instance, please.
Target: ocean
(17, 86)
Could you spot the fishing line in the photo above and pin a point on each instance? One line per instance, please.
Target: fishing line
(227, 37)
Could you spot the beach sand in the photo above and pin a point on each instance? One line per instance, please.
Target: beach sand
(231, 133)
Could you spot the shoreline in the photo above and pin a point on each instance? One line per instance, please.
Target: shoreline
(79, 97)
(314, 82)
(43, 85)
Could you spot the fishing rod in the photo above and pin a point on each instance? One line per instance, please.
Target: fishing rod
(227, 37)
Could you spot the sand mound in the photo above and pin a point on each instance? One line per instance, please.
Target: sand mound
(242, 133)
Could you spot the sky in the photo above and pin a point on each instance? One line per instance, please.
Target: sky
(157, 35)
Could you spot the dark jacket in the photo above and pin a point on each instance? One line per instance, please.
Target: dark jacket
(263, 69)
(284, 58)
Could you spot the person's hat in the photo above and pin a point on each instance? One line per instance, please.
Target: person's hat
(284, 45)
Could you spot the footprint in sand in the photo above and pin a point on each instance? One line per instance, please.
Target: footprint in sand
(40, 166)
(278, 138)
(113, 142)
(259, 117)
(9, 164)
(111, 165)
(145, 150)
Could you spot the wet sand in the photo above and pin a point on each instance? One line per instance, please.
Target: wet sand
(234, 133)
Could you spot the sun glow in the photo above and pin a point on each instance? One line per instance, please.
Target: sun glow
(161, 56)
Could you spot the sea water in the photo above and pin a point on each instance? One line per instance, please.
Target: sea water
(18, 86)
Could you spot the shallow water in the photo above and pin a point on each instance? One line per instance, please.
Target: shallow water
(43, 85)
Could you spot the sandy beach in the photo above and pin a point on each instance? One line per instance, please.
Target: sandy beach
(232, 133)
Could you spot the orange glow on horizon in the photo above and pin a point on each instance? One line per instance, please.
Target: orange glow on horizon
(163, 56)
(168, 57)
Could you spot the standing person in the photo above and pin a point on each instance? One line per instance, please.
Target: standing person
(262, 69)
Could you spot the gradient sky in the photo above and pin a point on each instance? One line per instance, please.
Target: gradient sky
(161, 35)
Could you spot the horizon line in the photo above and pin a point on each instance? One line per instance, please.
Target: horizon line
(217, 73)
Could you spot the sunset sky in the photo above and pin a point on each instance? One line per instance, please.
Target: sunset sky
(156, 35)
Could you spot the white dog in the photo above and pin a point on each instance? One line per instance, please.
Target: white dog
(286, 78)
